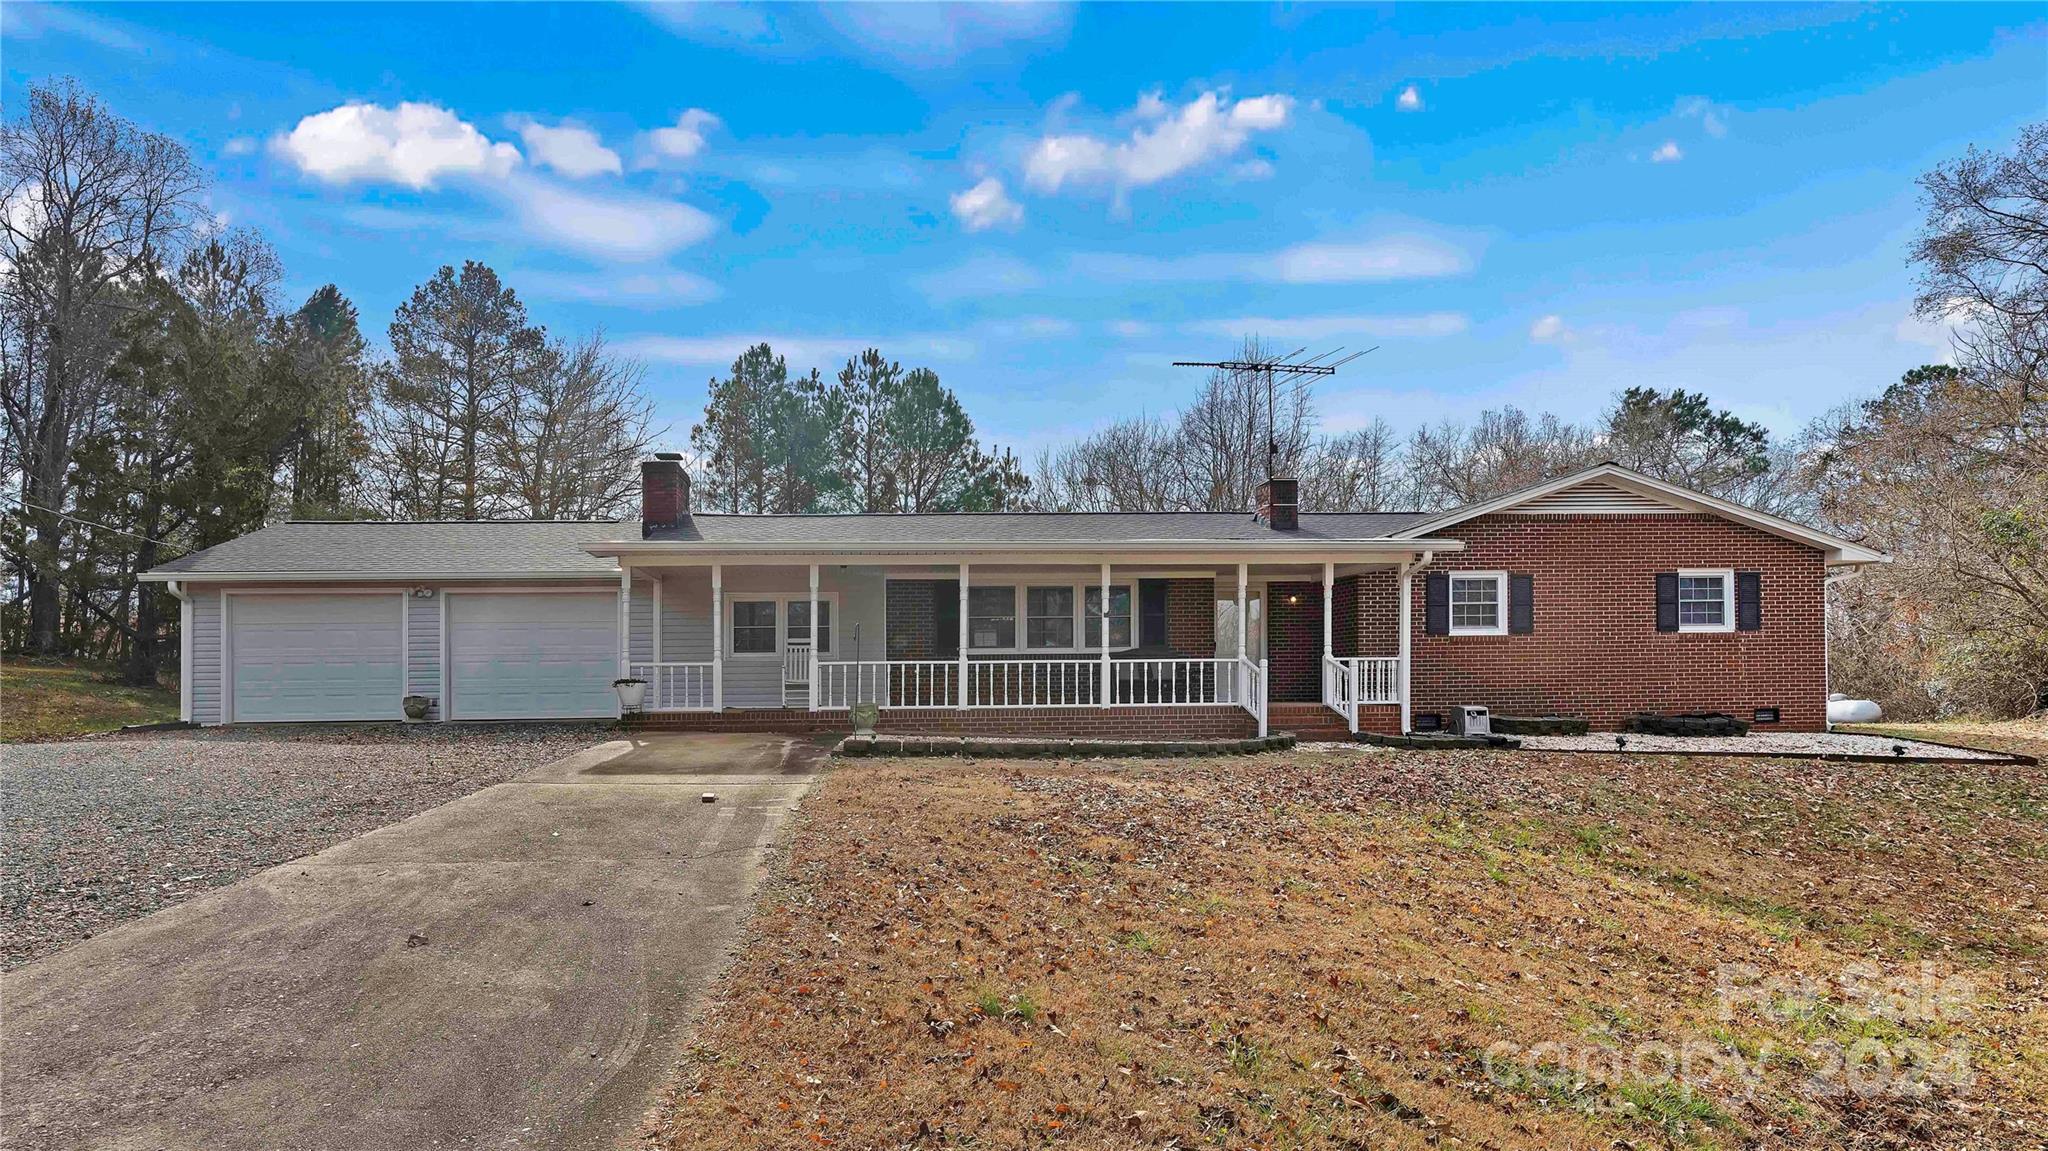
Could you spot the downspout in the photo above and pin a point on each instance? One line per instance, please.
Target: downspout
(177, 588)
(1407, 627)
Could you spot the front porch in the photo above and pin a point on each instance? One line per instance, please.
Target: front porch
(1175, 650)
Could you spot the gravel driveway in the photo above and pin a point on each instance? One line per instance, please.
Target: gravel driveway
(96, 832)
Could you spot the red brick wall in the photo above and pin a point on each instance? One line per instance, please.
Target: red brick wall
(1596, 651)
(1191, 617)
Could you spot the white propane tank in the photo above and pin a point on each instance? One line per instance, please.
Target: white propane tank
(1854, 711)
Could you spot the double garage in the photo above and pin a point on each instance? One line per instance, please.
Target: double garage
(481, 654)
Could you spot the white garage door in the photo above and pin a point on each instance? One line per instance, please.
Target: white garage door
(314, 657)
(514, 655)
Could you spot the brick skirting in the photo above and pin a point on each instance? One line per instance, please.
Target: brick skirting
(1148, 723)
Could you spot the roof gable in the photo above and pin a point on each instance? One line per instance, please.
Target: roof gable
(1610, 489)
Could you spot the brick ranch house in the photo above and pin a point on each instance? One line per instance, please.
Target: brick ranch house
(1596, 594)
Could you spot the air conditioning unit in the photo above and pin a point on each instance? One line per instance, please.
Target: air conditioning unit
(1469, 720)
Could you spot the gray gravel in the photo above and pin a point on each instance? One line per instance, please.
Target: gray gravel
(98, 831)
(1758, 743)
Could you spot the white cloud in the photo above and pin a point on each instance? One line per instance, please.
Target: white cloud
(1167, 142)
(651, 289)
(923, 34)
(1132, 329)
(1255, 168)
(1712, 117)
(987, 205)
(683, 140)
(1410, 99)
(1417, 326)
(240, 146)
(569, 148)
(1547, 328)
(624, 227)
(1406, 256)
(981, 277)
(1667, 154)
(413, 144)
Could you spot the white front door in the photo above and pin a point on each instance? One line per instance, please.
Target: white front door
(315, 657)
(532, 655)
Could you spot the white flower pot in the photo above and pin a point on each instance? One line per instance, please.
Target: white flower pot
(631, 695)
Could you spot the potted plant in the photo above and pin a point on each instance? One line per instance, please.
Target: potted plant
(864, 716)
(632, 693)
(417, 706)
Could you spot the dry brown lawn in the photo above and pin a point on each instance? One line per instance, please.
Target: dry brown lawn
(1389, 950)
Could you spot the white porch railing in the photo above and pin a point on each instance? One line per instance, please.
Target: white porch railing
(1251, 689)
(796, 675)
(1340, 690)
(1033, 682)
(675, 686)
(1171, 682)
(1377, 678)
(888, 683)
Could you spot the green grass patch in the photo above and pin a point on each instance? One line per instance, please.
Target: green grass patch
(42, 700)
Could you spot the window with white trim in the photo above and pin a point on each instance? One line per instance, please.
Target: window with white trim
(799, 616)
(1479, 603)
(991, 617)
(1119, 616)
(753, 627)
(1706, 600)
(1049, 617)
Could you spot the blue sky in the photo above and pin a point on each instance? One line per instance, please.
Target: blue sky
(1047, 205)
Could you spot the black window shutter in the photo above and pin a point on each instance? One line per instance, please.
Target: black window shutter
(1667, 601)
(1436, 604)
(1749, 601)
(1521, 604)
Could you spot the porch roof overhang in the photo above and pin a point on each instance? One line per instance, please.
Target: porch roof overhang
(1178, 551)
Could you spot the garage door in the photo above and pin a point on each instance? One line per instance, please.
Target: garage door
(515, 655)
(314, 657)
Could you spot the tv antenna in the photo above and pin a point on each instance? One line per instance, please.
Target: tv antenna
(1277, 370)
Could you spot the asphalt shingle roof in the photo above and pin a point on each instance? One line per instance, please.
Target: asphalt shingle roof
(368, 549)
(1028, 527)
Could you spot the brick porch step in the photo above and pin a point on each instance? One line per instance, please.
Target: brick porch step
(1310, 722)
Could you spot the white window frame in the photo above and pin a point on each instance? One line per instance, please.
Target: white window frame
(781, 600)
(1130, 589)
(1499, 579)
(1727, 578)
(1024, 620)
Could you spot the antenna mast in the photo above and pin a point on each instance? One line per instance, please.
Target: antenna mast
(1276, 370)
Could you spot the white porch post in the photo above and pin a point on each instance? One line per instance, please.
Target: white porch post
(625, 624)
(814, 638)
(657, 623)
(717, 637)
(963, 636)
(1329, 578)
(1105, 694)
(1407, 610)
(1244, 572)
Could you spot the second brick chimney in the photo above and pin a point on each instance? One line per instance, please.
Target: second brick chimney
(664, 493)
(1280, 504)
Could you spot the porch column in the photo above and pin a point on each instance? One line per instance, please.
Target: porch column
(717, 637)
(1103, 696)
(1244, 572)
(625, 619)
(963, 636)
(1329, 579)
(1407, 610)
(814, 638)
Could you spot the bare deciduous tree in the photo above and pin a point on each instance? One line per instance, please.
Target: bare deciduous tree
(91, 202)
(570, 446)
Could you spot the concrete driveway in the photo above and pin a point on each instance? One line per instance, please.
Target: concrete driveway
(512, 969)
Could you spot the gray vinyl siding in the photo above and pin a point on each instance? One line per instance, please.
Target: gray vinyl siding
(423, 650)
(205, 670)
(640, 623)
(756, 681)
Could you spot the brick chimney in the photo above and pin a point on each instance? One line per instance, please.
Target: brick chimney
(1280, 504)
(664, 493)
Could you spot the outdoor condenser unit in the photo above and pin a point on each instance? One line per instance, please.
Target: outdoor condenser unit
(1469, 720)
